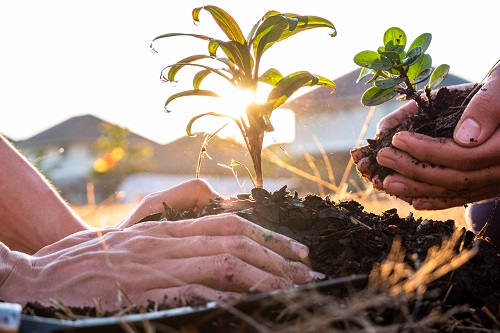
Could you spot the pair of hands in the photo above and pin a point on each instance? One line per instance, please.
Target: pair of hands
(470, 162)
(214, 257)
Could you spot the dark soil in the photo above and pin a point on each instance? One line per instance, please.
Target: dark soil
(448, 106)
(344, 240)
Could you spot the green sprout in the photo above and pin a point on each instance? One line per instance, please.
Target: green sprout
(397, 72)
(242, 57)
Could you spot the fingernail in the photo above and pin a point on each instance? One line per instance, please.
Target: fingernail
(300, 250)
(468, 132)
(316, 275)
(399, 143)
(423, 205)
(396, 188)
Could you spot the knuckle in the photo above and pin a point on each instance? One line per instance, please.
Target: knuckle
(237, 244)
(225, 264)
(233, 224)
(191, 291)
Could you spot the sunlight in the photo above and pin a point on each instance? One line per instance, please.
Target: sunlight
(233, 102)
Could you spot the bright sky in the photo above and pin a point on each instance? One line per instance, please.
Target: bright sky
(61, 58)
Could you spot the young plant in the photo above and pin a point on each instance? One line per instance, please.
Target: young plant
(396, 72)
(241, 58)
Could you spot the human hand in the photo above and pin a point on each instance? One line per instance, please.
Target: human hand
(481, 117)
(214, 258)
(443, 173)
(192, 194)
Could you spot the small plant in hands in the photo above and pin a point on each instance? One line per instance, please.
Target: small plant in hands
(241, 58)
(397, 71)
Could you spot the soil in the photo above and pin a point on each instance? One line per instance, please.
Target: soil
(448, 106)
(345, 241)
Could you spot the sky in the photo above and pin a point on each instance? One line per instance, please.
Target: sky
(64, 58)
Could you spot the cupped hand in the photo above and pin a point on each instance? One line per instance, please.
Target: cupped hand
(436, 173)
(442, 173)
(213, 258)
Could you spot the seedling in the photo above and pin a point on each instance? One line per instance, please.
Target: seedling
(242, 57)
(396, 72)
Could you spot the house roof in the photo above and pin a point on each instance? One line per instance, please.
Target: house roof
(347, 95)
(79, 128)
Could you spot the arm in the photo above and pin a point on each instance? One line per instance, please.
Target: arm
(32, 213)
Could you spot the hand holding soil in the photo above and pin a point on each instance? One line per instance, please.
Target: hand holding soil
(438, 173)
(210, 258)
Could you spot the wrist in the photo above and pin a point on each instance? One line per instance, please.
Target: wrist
(11, 289)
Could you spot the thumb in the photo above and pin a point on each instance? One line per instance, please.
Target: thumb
(482, 116)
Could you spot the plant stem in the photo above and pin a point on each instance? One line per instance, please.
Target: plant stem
(255, 137)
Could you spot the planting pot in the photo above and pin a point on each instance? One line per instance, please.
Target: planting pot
(188, 316)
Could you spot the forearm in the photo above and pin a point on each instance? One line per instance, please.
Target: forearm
(32, 213)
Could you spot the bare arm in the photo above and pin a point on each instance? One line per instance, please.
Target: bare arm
(32, 214)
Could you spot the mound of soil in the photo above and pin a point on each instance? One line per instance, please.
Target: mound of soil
(345, 240)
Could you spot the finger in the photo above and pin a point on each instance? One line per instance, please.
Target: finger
(222, 272)
(359, 153)
(238, 246)
(436, 175)
(447, 153)
(444, 203)
(401, 186)
(190, 294)
(396, 117)
(230, 224)
(192, 194)
(481, 117)
(365, 167)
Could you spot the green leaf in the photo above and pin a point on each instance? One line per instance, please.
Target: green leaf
(424, 40)
(422, 76)
(376, 96)
(413, 56)
(438, 75)
(287, 86)
(424, 63)
(307, 23)
(191, 122)
(372, 60)
(236, 52)
(271, 76)
(213, 70)
(389, 83)
(225, 21)
(364, 72)
(267, 34)
(195, 92)
(199, 77)
(391, 55)
(181, 63)
(177, 34)
(256, 25)
(395, 37)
